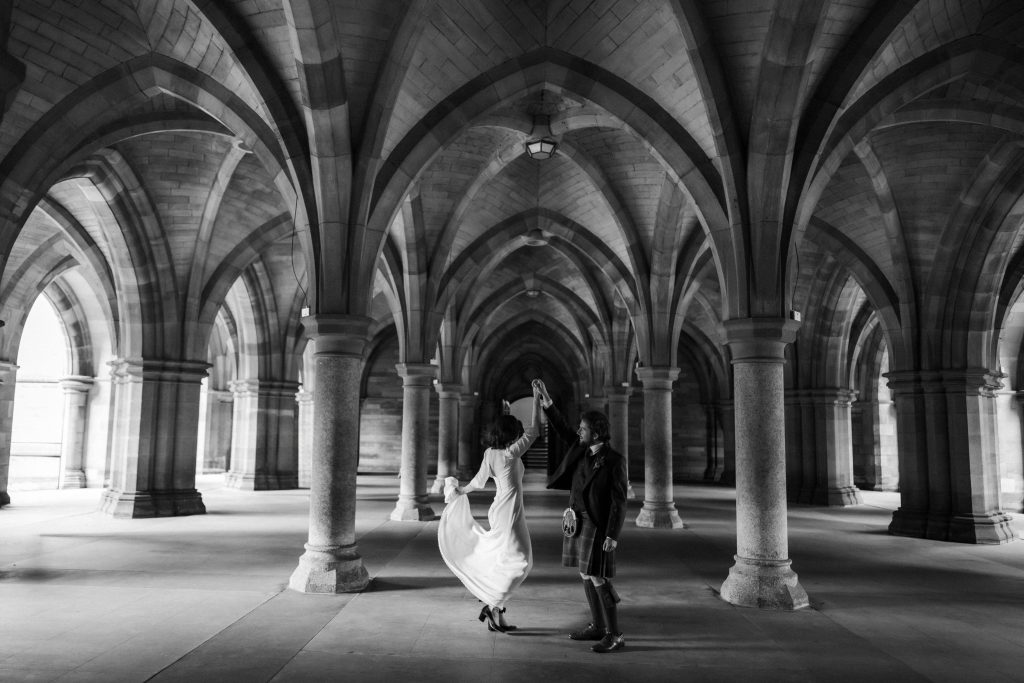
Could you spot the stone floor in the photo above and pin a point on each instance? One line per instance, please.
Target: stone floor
(87, 598)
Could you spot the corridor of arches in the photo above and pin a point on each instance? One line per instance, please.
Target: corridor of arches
(293, 242)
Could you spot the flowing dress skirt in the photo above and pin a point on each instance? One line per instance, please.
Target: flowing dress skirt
(492, 562)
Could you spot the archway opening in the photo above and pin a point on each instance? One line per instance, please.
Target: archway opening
(38, 418)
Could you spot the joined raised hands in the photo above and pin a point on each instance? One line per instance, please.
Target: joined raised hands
(541, 391)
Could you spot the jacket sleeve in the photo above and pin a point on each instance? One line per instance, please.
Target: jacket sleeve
(619, 488)
(557, 422)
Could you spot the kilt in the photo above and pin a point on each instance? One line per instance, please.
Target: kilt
(584, 551)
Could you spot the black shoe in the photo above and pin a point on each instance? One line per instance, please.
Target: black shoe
(500, 618)
(610, 643)
(488, 616)
(591, 632)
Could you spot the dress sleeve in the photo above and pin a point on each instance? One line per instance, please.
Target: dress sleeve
(523, 443)
(484, 473)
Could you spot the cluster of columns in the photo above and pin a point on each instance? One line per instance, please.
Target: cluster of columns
(949, 471)
(154, 437)
(820, 446)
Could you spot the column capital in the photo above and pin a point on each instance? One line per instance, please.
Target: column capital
(657, 377)
(973, 380)
(448, 390)
(264, 387)
(753, 340)
(617, 393)
(338, 334)
(159, 369)
(416, 374)
(76, 383)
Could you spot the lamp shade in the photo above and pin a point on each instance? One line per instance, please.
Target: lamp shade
(541, 148)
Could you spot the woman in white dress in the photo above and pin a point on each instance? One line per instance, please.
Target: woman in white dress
(492, 562)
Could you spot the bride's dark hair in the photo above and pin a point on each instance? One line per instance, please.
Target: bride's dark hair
(502, 432)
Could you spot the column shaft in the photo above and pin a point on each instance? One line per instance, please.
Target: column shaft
(332, 563)
(304, 399)
(762, 576)
(264, 441)
(447, 434)
(412, 493)
(72, 449)
(659, 509)
(467, 442)
(219, 427)
(618, 418)
(8, 378)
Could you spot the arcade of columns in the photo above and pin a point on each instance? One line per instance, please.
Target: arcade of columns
(781, 208)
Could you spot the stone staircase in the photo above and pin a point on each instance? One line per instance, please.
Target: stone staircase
(536, 458)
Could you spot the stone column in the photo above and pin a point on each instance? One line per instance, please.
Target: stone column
(154, 436)
(467, 444)
(219, 426)
(304, 399)
(264, 443)
(412, 493)
(332, 563)
(618, 417)
(762, 575)
(659, 510)
(729, 442)
(834, 407)
(8, 379)
(72, 448)
(447, 434)
(949, 466)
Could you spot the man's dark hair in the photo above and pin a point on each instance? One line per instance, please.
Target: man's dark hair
(598, 424)
(502, 432)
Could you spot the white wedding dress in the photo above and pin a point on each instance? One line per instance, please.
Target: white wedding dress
(492, 562)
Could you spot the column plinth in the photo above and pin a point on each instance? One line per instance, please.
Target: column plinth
(331, 562)
(412, 504)
(765, 584)
(761, 576)
(329, 570)
(659, 509)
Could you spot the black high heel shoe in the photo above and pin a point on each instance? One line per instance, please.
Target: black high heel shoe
(501, 620)
(488, 616)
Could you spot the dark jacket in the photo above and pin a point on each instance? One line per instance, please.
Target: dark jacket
(603, 494)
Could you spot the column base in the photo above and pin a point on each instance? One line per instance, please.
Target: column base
(143, 504)
(438, 485)
(844, 496)
(630, 493)
(72, 479)
(765, 584)
(983, 529)
(989, 529)
(412, 511)
(659, 516)
(329, 570)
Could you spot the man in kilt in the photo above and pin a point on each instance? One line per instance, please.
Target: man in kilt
(595, 475)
